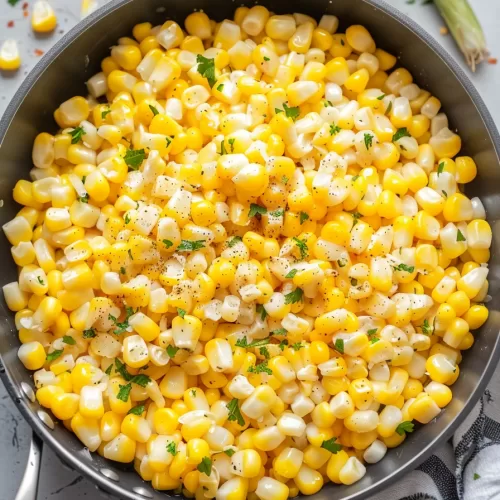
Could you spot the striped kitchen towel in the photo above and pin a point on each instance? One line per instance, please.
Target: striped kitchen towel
(465, 468)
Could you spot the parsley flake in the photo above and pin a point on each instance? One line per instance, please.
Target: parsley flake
(231, 143)
(167, 243)
(124, 392)
(220, 87)
(400, 133)
(134, 158)
(279, 331)
(105, 113)
(76, 134)
(285, 179)
(154, 110)
(233, 241)
(256, 210)
(260, 368)
(181, 312)
(234, 412)
(292, 113)
(127, 219)
(84, 198)
(426, 328)
(368, 139)
(291, 273)
(51, 356)
(297, 346)
(136, 410)
(205, 466)
(404, 267)
(339, 345)
(40, 280)
(229, 452)
(460, 235)
(295, 296)
(404, 427)
(123, 270)
(476, 476)
(380, 97)
(302, 245)
(190, 246)
(303, 217)
(334, 129)
(68, 339)
(262, 311)
(172, 448)
(243, 342)
(440, 168)
(172, 351)
(89, 334)
(331, 445)
(206, 68)
(264, 351)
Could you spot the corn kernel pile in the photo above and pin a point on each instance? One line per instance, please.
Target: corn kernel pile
(252, 270)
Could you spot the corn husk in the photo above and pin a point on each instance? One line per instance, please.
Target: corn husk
(465, 28)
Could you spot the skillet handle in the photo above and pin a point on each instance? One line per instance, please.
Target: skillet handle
(29, 484)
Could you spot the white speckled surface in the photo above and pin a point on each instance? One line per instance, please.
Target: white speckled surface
(58, 483)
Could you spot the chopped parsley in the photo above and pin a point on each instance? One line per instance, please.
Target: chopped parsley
(67, 339)
(302, 245)
(371, 332)
(231, 143)
(460, 236)
(256, 210)
(327, 103)
(124, 392)
(76, 134)
(476, 476)
(134, 158)
(220, 87)
(129, 251)
(374, 340)
(172, 351)
(368, 138)
(233, 241)
(190, 246)
(205, 466)
(426, 328)
(136, 410)
(331, 445)
(389, 108)
(109, 369)
(341, 263)
(51, 356)
(339, 345)
(354, 282)
(279, 331)
(285, 179)
(181, 312)
(303, 217)
(234, 412)
(154, 110)
(262, 311)
(404, 427)
(105, 113)
(206, 68)
(229, 452)
(440, 168)
(243, 342)
(127, 219)
(172, 448)
(84, 198)
(380, 97)
(283, 344)
(404, 267)
(89, 334)
(400, 133)
(141, 379)
(222, 148)
(292, 113)
(266, 58)
(291, 274)
(40, 280)
(295, 296)
(121, 326)
(297, 346)
(278, 213)
(334, 129)
(123, 270)
(167, 243)
(264, 351)
(260, 368)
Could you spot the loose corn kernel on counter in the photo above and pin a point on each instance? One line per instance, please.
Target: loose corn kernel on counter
(245, 262)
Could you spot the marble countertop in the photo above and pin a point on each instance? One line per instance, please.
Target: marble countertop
(14, 432)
